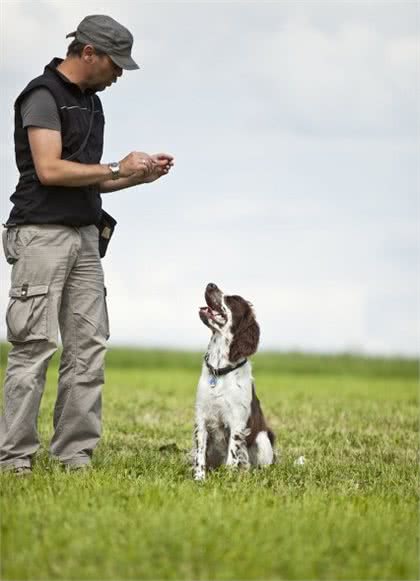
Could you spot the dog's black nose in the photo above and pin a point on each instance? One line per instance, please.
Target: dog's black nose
(211, 286)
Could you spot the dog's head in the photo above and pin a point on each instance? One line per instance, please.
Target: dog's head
(234, 317)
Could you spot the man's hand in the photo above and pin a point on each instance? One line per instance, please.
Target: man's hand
(136, 162)
(152, 167)
(161, 164)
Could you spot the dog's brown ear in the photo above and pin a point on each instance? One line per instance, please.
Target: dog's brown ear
(245, 337)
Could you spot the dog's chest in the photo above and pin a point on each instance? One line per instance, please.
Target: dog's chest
(227, 398)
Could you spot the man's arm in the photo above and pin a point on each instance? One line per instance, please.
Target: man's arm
(137, 167)
(41, 118)
(120, 184)
(46, 147)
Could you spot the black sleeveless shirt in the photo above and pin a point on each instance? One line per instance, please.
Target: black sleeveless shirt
(35, 203)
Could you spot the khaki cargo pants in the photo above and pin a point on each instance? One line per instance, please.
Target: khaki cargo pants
(57, 284)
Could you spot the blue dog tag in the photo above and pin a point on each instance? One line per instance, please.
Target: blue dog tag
(212, 381)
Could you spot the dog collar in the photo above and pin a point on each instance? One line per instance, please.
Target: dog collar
(217, 372)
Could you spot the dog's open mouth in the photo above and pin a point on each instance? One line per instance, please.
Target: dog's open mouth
(214, 310)
(210, 313)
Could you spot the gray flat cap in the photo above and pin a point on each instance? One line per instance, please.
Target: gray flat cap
(108, 35)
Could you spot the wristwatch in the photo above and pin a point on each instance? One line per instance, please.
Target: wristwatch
(115, 168)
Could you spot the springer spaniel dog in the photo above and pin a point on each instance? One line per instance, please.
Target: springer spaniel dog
(230, 427)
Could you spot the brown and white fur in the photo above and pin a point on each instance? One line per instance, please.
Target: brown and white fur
(230, 427)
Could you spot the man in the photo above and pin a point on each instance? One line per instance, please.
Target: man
(52, 238)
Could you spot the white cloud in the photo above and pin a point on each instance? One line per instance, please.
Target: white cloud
(353, 81)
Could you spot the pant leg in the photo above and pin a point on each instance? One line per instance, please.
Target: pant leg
(84, 330)
(44, 257)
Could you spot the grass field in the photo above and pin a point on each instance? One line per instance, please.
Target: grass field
(349, 513)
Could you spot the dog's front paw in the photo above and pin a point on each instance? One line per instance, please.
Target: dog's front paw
(199, 475)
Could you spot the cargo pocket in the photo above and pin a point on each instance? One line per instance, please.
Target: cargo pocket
(9, 244)
(26, 315)
(15, 239)
(107, 334)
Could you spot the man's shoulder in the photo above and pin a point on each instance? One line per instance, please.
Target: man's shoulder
(38, 94)
(39, 98)
(39, 108)
(40, 82)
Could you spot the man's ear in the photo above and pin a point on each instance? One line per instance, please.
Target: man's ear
(246, 338)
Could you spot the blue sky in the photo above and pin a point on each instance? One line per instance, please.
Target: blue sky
(295, 134)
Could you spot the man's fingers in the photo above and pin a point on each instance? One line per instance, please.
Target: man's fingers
(163, 156)
(160, 155)
(162, 161)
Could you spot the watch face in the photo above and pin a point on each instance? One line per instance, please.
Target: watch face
(115, 169)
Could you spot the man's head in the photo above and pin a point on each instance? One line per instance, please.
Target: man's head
(103, 49)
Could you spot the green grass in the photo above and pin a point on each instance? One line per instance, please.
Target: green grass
(349, 513)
